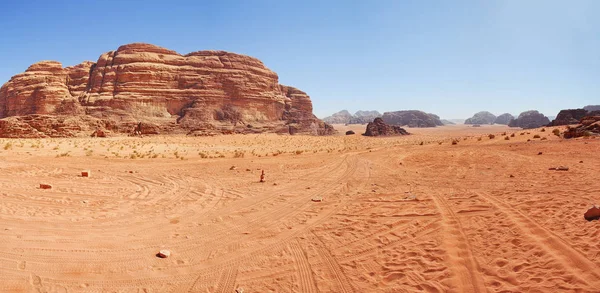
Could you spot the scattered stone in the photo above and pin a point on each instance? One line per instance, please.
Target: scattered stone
(86, 173)
(233, 168)
(274, 183)
(248, 170)
(593, 213)
(239, 290)
(552, 168)
(131, 172)
(317, 199)
(539, 153)
(164, 253)
(512, 176)
(84, 201)
(562, 168)
(350, 132)
(580, 162)
(45, 186)
(262, 176)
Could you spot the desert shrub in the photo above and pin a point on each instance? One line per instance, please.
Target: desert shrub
(544, 138)
(298, 152)
(491, 136)
(506, 138)
(536, 136)
(479, 139)
(454, 141)
(512, 135)
(238, 154)
(8, 146)
(556, 131)
(543, 130)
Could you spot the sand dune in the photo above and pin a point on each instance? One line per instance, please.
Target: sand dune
(488, 216)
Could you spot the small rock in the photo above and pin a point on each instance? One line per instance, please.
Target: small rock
(552, 168)
(164, 253)
(539, 153)
(562, 168)
(580, 162)
(45, 186)
(512, 176)
(317, 199)
(592, 213)
(86, 173)
(274, 183)
(84, 201)
(233, 168)
(248, 170)
(239, 290)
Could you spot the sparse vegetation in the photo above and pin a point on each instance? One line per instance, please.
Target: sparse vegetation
(491, 136)
(536, 136)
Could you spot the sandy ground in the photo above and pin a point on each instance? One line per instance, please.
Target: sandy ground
(472, 228)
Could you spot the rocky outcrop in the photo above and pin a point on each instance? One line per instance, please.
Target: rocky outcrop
(589, 125)
(214, 90)
(504, 119)
(341, 117)
(344, 117)
(530, 119)
(447, 122)
(569, 116)
(379, 128)
(483, 117)
(412, 118)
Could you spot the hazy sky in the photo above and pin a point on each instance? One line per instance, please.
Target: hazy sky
(452, 58)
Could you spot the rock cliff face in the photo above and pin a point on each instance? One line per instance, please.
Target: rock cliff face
(412, 118)
(483, 117)
(589, 126)
(504, 119)
(379, 128)
(570, 116)
(530, 119)
(592, 107)
(201, 91)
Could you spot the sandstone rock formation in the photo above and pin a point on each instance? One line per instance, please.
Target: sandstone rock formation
(530, 119)
(589, 125)
(483, 117)
(412, 118)
(447, 122)
(379, 128)
(212, 91)
(569, 116)
(504, 119)
(341, 117)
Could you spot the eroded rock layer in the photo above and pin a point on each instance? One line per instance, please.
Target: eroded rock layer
(204, 91)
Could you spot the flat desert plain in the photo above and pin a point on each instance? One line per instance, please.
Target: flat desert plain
(399, 214)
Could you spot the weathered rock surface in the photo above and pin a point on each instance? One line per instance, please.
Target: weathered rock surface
(214, 90)
(589, 125)
(412, 118)
(569, 116)
(530, 119)
(504, 119)
(379, 128)
(483, 117)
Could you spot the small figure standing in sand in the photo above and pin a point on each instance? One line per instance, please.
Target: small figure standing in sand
(262, 176)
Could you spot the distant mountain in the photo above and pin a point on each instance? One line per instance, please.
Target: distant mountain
(483, 117)
(456, 121)
(344, 117)
(530, 119)
(412, 118)
(592, 107)
(447, 122)
(341, 117)
(504, 119)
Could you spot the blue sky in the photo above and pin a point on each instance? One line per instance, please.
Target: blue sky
(452, 58)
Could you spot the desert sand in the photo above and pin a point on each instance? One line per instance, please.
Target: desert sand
(399, 214)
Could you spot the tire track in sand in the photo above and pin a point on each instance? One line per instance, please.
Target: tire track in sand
(307, 283)
(467, 277)
(570, 258)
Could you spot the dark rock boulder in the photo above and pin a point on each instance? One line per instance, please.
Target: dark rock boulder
(350, 132)
(504, 119)
(483, 117)
(379, 128)
(530, 119)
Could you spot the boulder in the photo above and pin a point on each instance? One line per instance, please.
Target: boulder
(593, 213)
(380, 128)
(164, 253)
(483, 117)
(530, 119)
(350, 132)
(589, 125)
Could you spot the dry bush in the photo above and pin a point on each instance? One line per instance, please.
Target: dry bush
(556, 132)
(536, 136)
(491, 136)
